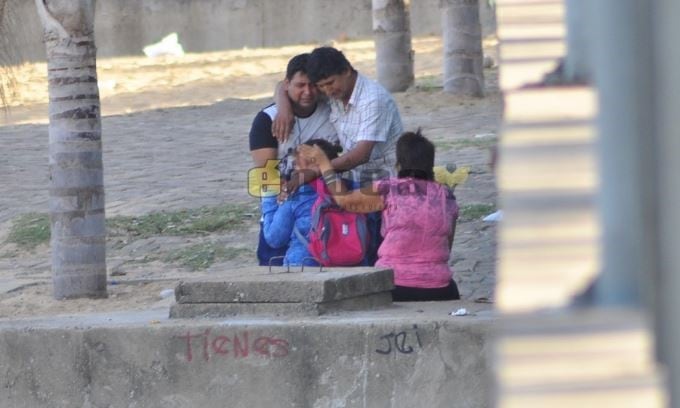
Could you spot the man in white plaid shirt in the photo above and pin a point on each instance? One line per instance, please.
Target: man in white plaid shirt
(363, 113)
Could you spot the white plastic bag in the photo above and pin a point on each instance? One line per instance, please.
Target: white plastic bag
(167, 46)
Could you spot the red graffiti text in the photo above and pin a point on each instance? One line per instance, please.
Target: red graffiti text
(207, 346)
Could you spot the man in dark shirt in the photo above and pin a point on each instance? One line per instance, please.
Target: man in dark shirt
(311, 121)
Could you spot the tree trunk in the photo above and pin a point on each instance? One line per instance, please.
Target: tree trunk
(393, 53)
(7, 80)
(75, 152)
(463, 56)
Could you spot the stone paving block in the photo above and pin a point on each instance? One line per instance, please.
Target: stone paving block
(531, 34)
(256, 285)
(546, 239)
(555, 29)
(217, 310)
(8, 285)
(540, 105)
(550, 168)
(528, 50)
(574, 358)
(563, 133)
(517, 74)
(529, 12)
(550, 226)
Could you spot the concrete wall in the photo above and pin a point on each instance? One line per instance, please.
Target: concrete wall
(327, 362)
(124, 27)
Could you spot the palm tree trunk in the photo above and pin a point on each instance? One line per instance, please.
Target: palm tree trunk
(7, 80)
(393, 53)
(463, 56)
(75, 152)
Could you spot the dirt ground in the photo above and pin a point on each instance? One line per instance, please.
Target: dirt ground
(151, 107)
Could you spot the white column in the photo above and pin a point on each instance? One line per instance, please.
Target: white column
(667, 110)
(621, 55)
(577, 63)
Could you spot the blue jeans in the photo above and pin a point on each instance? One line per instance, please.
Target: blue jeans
(265, 253)
(373, 221)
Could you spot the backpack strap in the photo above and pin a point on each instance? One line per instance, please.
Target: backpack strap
(320, 187)
(299, 235)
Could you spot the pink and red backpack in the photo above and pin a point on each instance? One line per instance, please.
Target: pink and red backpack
(337, 237)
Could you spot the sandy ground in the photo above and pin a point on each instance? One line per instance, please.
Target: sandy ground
(151, 107)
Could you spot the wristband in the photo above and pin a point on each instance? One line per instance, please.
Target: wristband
(330, 177)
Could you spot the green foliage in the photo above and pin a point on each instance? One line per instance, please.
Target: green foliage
(201, 256)
(428, 83)
(473, 212)
(30, 230)
(203, 220)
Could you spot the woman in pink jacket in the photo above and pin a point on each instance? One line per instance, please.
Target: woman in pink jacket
(418, 219)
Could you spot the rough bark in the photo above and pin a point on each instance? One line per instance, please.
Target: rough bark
(463, 55)
(75, 152)
(392, 35)
(7, 80)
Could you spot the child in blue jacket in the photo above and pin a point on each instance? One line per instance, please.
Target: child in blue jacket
(281, 219)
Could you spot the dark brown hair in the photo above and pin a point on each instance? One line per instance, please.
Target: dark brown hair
(415, 156)
(297, 64)
(331, 150)
(325, 62)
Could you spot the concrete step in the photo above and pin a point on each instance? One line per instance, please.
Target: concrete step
(578, 358)
(549, 238)
(257, 290)
(531, 39)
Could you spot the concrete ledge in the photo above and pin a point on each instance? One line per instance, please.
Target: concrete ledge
(407, 355)
(216, 310)
(256, 284)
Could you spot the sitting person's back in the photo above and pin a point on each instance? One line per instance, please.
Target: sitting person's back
(282, 222)
(418, 220)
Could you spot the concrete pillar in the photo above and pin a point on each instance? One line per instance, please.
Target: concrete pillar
(622, 57)
(577, 63)
(667, 109)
